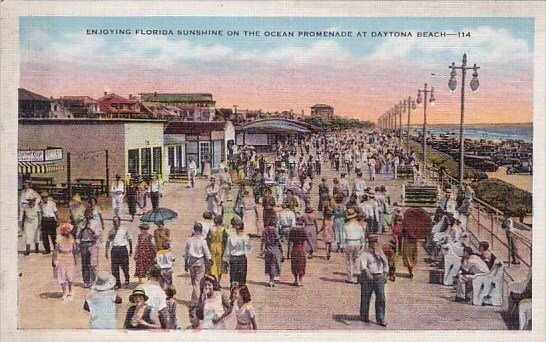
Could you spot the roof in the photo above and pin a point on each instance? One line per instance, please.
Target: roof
(320, 105)
(27, 95)
(194, 127)
(176, 97)
(82, 99)
(65, 121)
(114, 98)
(278, 126)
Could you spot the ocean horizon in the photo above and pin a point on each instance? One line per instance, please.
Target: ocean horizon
(493, 132)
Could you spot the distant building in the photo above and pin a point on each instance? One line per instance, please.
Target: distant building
(82, 106)
(135, 147)
(180, 106)
(32, 105)
(322, 110)
(118, 107)
(264, 134)
(201, 141)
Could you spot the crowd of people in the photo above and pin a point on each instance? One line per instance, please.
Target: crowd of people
(348, 218)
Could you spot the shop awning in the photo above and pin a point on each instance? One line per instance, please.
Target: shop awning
(33, 167)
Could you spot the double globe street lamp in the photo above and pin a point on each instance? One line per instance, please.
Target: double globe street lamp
(474, 85)
(420, 92)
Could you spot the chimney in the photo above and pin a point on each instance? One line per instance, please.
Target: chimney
(105, 93)
(155, 93)
(130, 96)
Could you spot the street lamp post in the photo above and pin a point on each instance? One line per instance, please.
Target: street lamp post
(400, 124)
(425, 91)
(474, 85)
(409, 104)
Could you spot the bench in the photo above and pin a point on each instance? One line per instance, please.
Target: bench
(420, 195)
(487, 288)
(525, 314)
(98, 184)
(404, 172)
(452, 263)
(41, 180)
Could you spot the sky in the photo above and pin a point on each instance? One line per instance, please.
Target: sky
(361, 77)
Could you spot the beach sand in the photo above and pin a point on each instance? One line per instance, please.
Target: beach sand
(524, 181)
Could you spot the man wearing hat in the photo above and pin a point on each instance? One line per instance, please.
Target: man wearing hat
(101, 302)
(355, 240)
(49, 222)
(30, 218)
(374, 270)
(118, 193)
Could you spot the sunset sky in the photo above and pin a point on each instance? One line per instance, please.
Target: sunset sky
(360, 77)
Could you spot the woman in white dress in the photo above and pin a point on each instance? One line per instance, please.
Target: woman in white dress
(214, 304)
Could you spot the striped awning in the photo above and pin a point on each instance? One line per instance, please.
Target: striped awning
(32, 167)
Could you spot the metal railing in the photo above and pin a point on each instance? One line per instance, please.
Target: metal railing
(485, 224)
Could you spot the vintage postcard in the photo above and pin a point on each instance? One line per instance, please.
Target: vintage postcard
(310, 169)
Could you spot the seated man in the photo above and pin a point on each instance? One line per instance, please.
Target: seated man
(486, 254)
(471, 265)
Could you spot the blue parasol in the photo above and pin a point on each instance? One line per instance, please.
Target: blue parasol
(158, 215)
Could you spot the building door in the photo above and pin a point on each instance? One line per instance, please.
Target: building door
(204, 153)
(146, 157)
(217, 153)
(180, 159)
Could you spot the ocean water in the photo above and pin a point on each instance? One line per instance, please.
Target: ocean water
(497, 132)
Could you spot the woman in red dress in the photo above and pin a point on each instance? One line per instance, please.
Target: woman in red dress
(144, 253)
(297, 251)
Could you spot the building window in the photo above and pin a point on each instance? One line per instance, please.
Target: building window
(133, 162)
(271, 139)
(158, 160)
(146, 154)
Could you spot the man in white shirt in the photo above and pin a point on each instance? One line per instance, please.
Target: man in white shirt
(207, 223)
(119, 238)
(49, 222)
(155, 191)
(396, 162)
(30, 217)
(192, 171)
(156, 295)
(471, 265)
(359, 187)
(355, 240)
(374, 270)
(197, 254)
(118, 193)
(286, 220)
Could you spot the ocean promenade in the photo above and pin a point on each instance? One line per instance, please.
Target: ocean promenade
(325, 301)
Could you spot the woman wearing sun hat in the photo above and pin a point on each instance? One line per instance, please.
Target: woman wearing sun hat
(101, 302)
(64, 259)
(141, 315)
